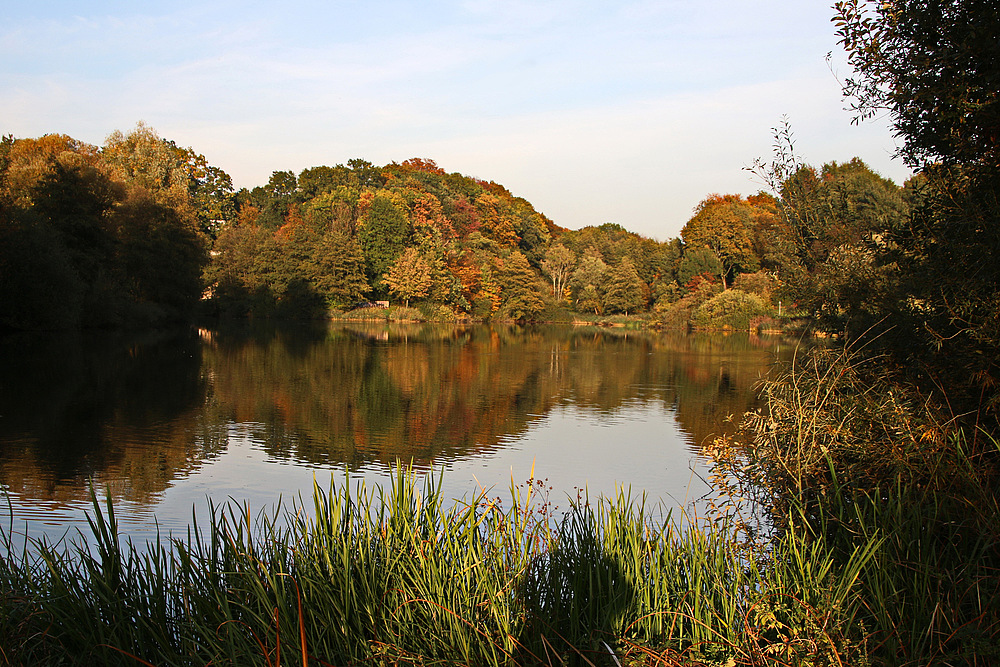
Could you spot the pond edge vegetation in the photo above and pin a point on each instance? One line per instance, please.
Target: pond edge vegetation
(858, 520)
(402, 575)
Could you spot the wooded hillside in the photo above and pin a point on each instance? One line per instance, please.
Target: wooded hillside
(142, 231)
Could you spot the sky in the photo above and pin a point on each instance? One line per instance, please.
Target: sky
(594, 111)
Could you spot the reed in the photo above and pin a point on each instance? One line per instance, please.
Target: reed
(399, 575)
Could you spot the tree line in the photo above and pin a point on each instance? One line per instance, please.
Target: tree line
(141, 231)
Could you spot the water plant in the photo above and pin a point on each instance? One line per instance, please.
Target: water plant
(401, 575)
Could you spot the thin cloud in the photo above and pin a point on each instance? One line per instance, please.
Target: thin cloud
(596, 112)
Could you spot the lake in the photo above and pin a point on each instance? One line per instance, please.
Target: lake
(164, 421)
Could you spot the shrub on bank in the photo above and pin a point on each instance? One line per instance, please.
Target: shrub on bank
(860, 462)
(731, 309)
(677, 314)
(430, 312)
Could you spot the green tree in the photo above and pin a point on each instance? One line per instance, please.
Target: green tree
(384, 234)
(623, 288)
(365, 174)
(339, 270)
(235, 276)
(161, 255)
(698, 261)
(276, 199)
(76, 201)
(520, 294)
(590, 272)
(39, 285)
(210, 190)
(933, 65)
(317, 181)
(530, 228)
(589, 299)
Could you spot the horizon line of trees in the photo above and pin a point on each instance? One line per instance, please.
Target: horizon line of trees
(142, 231)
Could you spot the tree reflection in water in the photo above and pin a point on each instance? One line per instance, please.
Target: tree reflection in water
(137, 413)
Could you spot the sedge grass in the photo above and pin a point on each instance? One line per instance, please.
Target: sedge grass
(399, 575)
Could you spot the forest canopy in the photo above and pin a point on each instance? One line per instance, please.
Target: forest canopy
(141, 231)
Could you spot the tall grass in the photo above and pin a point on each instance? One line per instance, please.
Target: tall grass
(857, 464)
(400, 575)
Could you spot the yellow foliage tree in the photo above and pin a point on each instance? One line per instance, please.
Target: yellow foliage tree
(409, 277)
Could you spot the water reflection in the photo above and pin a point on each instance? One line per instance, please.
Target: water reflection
(365, 394)
(122, 410)
(138, 414)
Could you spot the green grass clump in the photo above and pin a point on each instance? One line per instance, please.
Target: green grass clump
(405, 314)
(401, 576)
(366, 314)
(881, 547)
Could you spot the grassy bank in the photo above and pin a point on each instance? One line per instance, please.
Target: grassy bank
(400, 575)
(732, 310)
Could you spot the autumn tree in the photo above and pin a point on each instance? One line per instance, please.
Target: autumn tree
(409, 277)
(336, 209)
(27, 161)
(723, 224)
(143, 159)
(441, 253)
(495, 221)
(558, 265)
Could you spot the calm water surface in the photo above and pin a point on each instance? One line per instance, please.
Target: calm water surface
(165, 421)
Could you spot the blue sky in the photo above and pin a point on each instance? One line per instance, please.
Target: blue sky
(626, 112)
